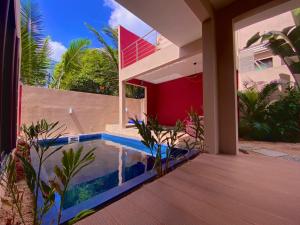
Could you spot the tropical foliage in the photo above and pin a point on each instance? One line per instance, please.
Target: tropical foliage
(194, 128)
(109, 51)
(284, 116)
(285, 43)
(262, 118)
(40, 137)
(35, 59)
(71, 62)
(253, 106)
(93, 70)
(72, 163)
(8, 181)
(161, 142)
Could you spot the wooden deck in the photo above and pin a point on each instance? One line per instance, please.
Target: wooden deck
(216, 190)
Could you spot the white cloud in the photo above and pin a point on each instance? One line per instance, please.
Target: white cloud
(57, 50)
(121, 16)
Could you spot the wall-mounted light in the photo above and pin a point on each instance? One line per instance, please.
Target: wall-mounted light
(70, 110)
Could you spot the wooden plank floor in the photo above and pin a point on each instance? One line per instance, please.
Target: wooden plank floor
(216, 190)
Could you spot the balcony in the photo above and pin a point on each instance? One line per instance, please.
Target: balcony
(140, 56)
(143, 47)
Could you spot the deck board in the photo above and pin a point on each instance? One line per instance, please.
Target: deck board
(213, 189)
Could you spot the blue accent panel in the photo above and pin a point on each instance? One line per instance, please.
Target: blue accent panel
(61, 140)
(85, 137)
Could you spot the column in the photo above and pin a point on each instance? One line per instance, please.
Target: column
(210, 86)
(122, 104)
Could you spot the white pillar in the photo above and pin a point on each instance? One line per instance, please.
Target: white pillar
(219, 87)
(122, 104)
(227, 86)
(210, 87)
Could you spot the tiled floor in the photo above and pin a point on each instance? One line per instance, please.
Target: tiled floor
(213, 189)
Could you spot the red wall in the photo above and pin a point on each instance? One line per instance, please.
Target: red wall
(172, 100)
(131, 53)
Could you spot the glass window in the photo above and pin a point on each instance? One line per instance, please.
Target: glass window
(263, 64)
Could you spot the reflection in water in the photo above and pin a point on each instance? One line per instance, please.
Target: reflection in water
(114, 165)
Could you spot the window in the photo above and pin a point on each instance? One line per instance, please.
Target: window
(263, 64)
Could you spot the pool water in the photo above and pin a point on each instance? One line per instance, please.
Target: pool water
(114, 165)
(120, 164)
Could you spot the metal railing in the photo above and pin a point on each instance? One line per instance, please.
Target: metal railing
(139, 49)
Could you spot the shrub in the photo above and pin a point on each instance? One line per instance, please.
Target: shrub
(284, 116)
(253, 106)
(263, 119)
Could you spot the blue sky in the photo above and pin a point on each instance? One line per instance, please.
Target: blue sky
(64, 21)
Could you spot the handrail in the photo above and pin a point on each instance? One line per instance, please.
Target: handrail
(139, 49)
(141, 38)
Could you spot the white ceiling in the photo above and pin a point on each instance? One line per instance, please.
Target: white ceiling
(172, 18)
(182, 68)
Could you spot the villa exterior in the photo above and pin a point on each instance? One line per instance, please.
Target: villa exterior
(192, 62)
(201, 44)
(181, 80)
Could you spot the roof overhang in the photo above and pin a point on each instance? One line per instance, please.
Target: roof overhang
(184, 67)
(174, 19)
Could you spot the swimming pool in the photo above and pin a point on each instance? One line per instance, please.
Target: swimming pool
(121, 164)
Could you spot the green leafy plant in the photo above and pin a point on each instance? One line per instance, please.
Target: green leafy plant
(284, 116)
(161, 142)
(72, 163)
(194, 128)
(285, 43)
(40, 137)
(36, 135)
(8, 181)
(253, 106)
(80, 216)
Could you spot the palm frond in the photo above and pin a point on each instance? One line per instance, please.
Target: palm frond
(72, 55)
(113, 34)
(108, 49)
(35, 47)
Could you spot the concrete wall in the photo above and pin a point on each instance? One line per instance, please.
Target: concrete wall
(91, 112)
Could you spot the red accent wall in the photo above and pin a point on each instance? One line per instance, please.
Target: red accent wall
(172, 100)
(130, 53)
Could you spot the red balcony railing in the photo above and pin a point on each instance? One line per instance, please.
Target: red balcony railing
(139, 49)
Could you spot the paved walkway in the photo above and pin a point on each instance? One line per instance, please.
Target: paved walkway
(216, 190)
(289, 151)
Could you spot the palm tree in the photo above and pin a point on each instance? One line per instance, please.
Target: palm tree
(285, 43)
(35, 59)
(71, 58)
(253, 105)
(110, 52)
